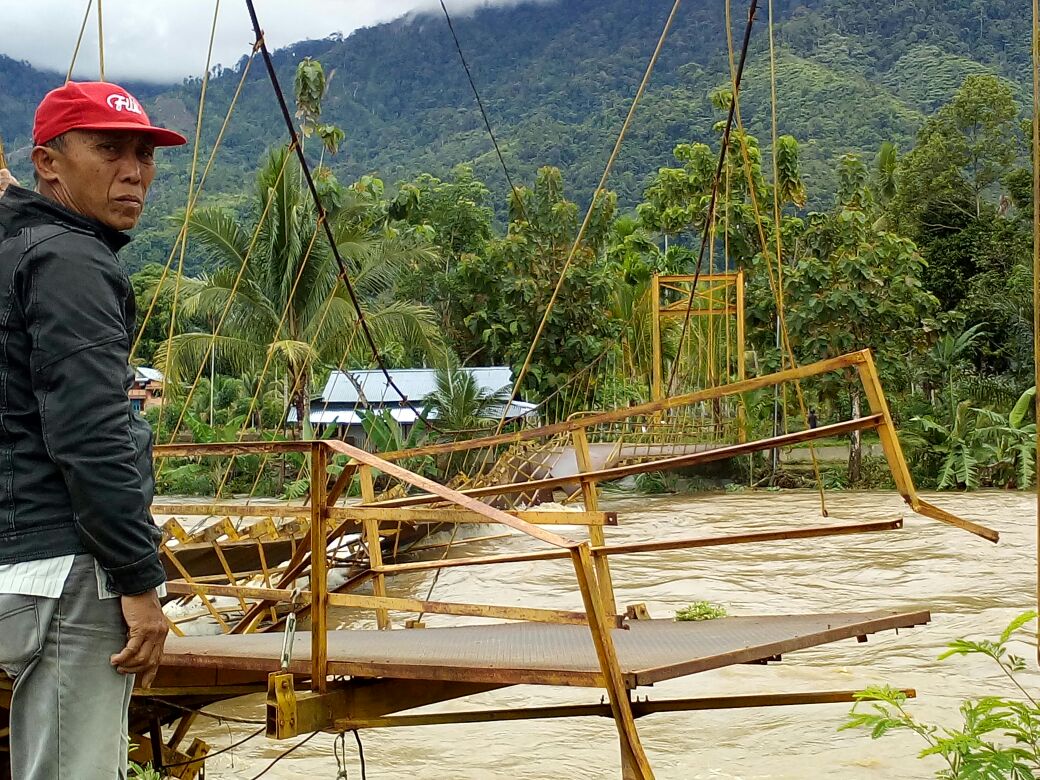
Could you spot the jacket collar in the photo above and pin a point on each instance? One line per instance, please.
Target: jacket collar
(21, 208)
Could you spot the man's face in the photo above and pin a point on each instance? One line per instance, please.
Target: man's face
(103, 174)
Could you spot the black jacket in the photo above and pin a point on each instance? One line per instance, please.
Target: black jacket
(75, 460)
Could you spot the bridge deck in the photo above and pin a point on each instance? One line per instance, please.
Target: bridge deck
(649, 651)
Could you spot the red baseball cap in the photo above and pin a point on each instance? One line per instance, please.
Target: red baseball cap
(95, 105)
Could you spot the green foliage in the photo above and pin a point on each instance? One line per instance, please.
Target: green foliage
(961, 155)
(856, 284)
(701, 610)
(505, 292)
(386, 434)
(558, 77)
(656, 482)
(145, 283)
(459, 403)
(289, 306)
(146, 772)
(999, 738)
(981, 447)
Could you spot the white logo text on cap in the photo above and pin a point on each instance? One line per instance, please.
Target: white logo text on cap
(121, 102)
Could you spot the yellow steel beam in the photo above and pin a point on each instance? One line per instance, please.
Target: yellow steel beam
(640, 709)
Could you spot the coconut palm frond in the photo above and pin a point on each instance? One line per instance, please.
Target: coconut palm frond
(180, 358)
(218, 232)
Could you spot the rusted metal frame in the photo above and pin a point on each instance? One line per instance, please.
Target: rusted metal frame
(467, 540)
(263, 529)
(212, 533)
(171, 588)
(365, 698)
(757, 652)
(228, 573)
(452, 563)
(454, 496)
(642, 547)
(266, 574)
(596, 536)
(184, 724)
(373, 541)
(230, 448)
(640, 709)
(656, 390)
(679, 461)
(897, 462)
(273, 595)
(234, 510)
(294, 568)
(761, 536)
(222, 578)
(319, 570)
(354, 582)
(741, 360)
(699, 312)
(342, 483)
(453, 516)
(190, 618)
(201, 695)
(174, 530)
(385, 603)
(633, 758)
(827, 366)
(724, 276)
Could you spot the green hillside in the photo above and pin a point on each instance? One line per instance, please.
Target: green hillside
(557, 78)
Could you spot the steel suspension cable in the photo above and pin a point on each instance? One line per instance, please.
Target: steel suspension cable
(592, 207)
(191, 188)
(305, 166)
(1036, 266)
(483, 112)
(231, 295)
(79, 40)
(181, 236)
(709, 218)
(101, 39)
(774, 280)
(270, 352)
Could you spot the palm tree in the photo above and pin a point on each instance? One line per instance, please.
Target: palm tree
(290, 309)
(949, 355)
(459, 403)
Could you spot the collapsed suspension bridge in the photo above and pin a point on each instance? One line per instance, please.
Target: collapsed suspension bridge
(244, 576)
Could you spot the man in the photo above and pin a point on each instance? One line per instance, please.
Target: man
(79, 565)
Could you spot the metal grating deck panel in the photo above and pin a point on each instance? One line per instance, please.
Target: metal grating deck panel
(539, 653)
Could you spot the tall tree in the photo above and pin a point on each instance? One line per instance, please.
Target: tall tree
(962, 154)
(290, 307)
(504, 293)
(855, 286)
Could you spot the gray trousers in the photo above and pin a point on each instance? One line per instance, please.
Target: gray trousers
(69, 707)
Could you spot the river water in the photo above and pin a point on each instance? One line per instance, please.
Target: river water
(972, 587)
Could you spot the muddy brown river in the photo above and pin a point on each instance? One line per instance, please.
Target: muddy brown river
(972, 587)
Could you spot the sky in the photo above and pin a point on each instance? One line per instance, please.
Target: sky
(160, 40)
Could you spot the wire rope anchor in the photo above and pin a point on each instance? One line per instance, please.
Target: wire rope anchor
(282, 720)
(289, 637)
(339, 749)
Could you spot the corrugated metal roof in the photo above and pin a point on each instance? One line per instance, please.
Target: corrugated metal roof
(415, 383)
(146, 374)
(322, 416)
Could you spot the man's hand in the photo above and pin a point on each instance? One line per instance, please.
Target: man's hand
(147, 635)
(6, 179)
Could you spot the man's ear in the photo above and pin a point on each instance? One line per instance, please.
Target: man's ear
(44, 159)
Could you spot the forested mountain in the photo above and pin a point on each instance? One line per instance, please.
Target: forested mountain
(557, 78)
